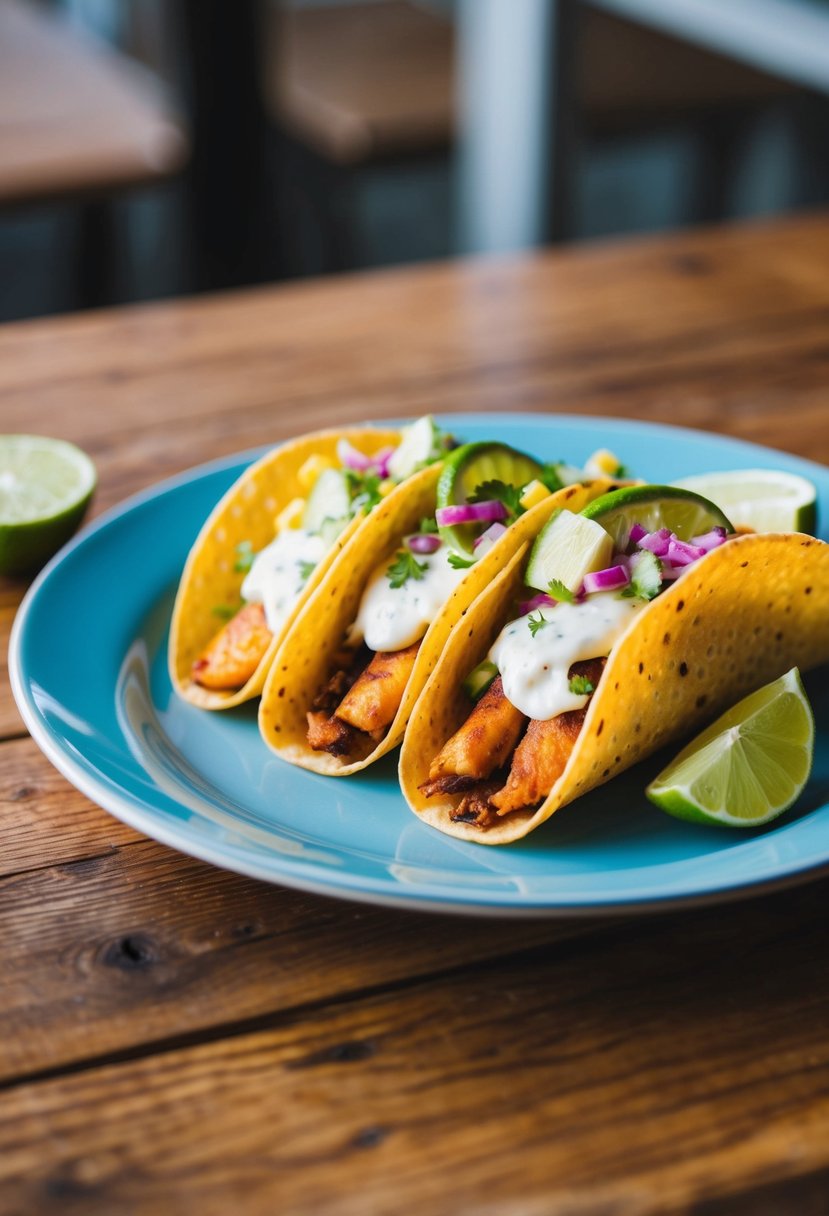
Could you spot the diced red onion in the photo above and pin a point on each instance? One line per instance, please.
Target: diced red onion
(471, 513)
(423, 542)
(669, 572)
(610, 579)
(494, 532)
(350, 458)
(680, 553)
(710, 540)
(656, 542)
(542, 600)
(381, 461)
(637, 532)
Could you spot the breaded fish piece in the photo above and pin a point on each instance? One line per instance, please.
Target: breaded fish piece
(539, 761)
(326, 733)
(374, 698)
(541, 755)
(485, 740)
(234, 653)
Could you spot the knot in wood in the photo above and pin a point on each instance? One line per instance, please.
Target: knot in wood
(132, 953)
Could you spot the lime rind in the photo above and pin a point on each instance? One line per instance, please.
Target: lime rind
(465, 469)
(46, 486)
(767, 500)
(749, 766)
(685, 512)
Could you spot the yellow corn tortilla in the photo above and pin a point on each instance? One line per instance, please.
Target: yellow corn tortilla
(247, 513)
(305, 661)
(739, 617)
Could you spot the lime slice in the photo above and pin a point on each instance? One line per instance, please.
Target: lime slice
(45, 488)
(468, 467)
(685, 513)
(749, 766)
(763, 499)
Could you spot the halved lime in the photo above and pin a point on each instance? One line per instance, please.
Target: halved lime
(763, 499)
(687, 514)
(466, 469)
(45, 488)
(747, 767)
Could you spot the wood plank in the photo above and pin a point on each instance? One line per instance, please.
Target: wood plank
(11, 593)
(698, 330)
(657, 1068)
(131, 948)
(45, 820)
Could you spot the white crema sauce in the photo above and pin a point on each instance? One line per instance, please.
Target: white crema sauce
(275, 579)
(389, 617)
(534, 667)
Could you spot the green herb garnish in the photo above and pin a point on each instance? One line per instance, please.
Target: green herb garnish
(622, 471)
(404, 567)
(549, 476)
(536, 623)
(559, 592)
(645, 576)
(509, 495)
(226, 612)
(460, 563)
(363, 489)
(244, 557)
(428, 525)
(306, 569)
(580, 686)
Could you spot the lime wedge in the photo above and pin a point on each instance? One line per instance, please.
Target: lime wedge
(45, 488)
(467, 468)
(749, 766)
(763, 499)
(687, 514)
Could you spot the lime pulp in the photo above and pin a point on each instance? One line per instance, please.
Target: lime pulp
(747, 767)
(653, 507)
(467, 468)
(766, 500)
(45, 487)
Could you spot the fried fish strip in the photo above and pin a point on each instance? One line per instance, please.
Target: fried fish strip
(374, 698)
(485, 740)
(233, 654)
(475, 807)
(326, 733)
(541, 755)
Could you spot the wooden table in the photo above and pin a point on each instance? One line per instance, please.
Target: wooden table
(174, 1038)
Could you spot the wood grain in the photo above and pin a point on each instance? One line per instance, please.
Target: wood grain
(131, 947)
(643, 1070)
(173, 1037)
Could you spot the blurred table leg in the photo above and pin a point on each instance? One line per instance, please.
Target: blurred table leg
(518, 123)
(231, 215)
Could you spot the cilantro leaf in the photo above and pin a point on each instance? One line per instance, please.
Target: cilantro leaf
(460, 563)
(306, 569)
(509, 495)
(535, 623)
(363, 489)
(404, 567)
(559, 592)
(244, 557)
(622, 471)
(428, 525)
(226, 612)
(550, 477)
(580, 686)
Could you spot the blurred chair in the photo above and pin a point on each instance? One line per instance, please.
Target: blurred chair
(80, 123)
(352, 86)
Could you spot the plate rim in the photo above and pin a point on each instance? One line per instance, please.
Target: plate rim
(128, 808)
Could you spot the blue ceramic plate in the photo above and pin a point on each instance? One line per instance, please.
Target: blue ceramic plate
(88, 666)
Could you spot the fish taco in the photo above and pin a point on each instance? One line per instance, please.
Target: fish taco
(610, 634)
(270, 542)
(342, 687)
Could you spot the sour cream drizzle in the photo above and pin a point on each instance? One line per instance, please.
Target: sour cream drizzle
(390, 618)
(534, 667)
(275, 579)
